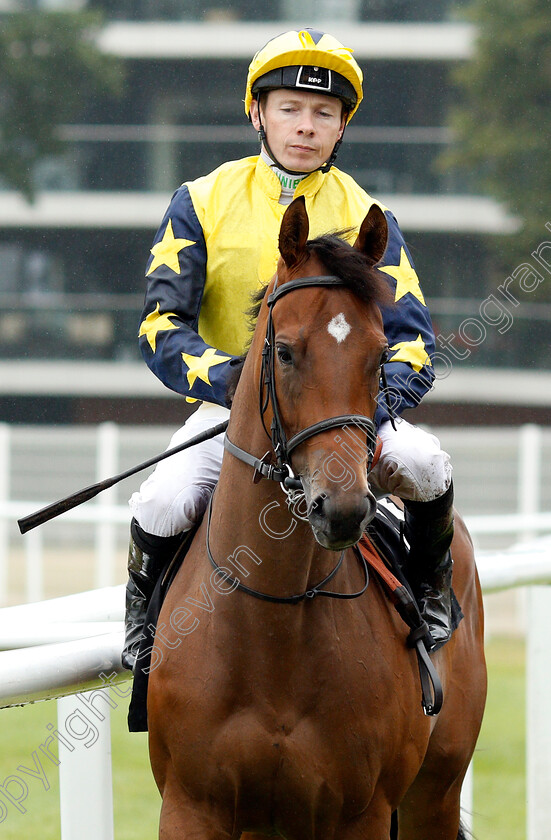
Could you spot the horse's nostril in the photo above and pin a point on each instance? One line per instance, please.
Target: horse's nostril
(316, 505)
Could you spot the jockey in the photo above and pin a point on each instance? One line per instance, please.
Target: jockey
(217, 244)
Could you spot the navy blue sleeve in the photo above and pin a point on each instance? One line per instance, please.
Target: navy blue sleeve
(408, 328)
(169, 341)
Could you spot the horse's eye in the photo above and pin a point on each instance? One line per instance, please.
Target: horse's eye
(384, 356)
(284, 354)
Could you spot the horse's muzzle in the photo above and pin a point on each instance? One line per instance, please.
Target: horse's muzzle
(339, 520)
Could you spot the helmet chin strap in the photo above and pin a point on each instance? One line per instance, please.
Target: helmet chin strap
(325, 167)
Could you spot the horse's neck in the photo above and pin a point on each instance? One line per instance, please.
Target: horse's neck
(251, 525)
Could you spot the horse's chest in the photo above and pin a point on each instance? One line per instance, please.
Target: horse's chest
(285, 767)
(297, 739)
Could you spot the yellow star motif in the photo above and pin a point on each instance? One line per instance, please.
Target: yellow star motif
(198, 366)
(413, 352)
(406, 278)
(165, 252)
(154, 323)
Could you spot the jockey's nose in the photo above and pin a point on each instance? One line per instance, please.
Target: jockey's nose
(306, 123)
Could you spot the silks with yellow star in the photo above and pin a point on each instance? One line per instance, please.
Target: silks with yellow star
(198, 367)
(408, 328)
(193, 327)
(198, 370)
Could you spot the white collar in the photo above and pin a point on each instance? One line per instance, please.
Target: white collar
(288, 182)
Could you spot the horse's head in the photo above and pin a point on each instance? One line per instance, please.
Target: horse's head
(325, 345)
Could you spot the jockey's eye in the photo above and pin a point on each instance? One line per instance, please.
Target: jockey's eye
(284, 355)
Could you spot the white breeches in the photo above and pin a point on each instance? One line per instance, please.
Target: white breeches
(177, 493)
(412, 466)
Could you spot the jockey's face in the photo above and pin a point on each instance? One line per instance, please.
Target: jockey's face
(301, 127)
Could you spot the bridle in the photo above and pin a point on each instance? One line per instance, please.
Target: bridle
(283, 447)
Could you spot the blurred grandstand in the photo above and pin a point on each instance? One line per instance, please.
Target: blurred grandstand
(71, 284)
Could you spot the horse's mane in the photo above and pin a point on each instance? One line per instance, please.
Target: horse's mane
(354, 268)
(338, 257)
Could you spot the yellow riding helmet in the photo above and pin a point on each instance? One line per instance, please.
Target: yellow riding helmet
(288, 60)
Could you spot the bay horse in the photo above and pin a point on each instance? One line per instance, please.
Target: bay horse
(271, 711)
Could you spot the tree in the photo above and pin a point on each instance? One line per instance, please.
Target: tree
(49, 68)
(502, 123)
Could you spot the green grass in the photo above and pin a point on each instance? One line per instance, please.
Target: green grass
(499, 801)
(135, 796)
(499, 763)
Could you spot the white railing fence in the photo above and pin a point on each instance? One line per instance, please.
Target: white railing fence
(497, 472)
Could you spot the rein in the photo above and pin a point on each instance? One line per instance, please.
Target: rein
(310, 593)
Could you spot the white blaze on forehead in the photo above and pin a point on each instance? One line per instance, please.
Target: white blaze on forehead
(338, 327)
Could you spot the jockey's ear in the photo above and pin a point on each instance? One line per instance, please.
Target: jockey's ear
(293, 233)
(373, 235)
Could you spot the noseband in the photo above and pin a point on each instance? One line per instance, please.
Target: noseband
(283, 447)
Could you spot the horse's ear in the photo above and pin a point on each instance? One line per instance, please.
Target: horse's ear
(373, 234)
(293, 234)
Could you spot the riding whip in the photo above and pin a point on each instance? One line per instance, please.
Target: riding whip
(27, 523)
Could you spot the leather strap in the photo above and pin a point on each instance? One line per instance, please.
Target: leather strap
(302, 282)
(265, 468)
(311, 593)
(342, 420)
(432, 693)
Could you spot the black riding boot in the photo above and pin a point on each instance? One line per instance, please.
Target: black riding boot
(148, 555)
(428, 529)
